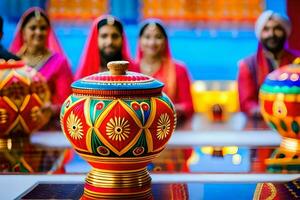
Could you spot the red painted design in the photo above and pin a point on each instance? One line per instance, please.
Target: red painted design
(135, 106)
(16, 90)
(99, 105)
(78, 111)
(293, 108)
(32, 114)
(7, 116)
(138, 151)
(103, 151)
(26, 91)
(119, 112)
(162, 109)
(145, 106)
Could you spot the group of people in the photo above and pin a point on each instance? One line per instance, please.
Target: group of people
(36, 44)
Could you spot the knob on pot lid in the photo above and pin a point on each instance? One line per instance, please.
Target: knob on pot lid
(117, 82)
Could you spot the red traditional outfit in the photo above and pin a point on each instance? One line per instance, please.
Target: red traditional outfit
(175, 76)
(252, 73)
(90, 61)
(55, 69)
(254, 69)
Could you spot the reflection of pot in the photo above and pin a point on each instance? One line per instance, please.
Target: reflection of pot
(118, 121)
(280, 106)
(21, 156)
(23, 93)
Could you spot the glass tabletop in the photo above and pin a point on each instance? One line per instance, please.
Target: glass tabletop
(179, 191)
(238, 145)
(203, 160)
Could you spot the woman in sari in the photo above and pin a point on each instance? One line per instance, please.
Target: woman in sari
(35, 42)
(154, 59)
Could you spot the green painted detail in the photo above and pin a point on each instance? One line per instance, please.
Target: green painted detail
(95, 143)
(274, 168)
(281, 155)
(295, 127)
(294, 168)
(283, 125)
(166, 99)
(272, 125)
(277, 89)
(139, 112)
(95, 113)
(278, 168)
(24, 169)
(75, 98)
(63, 108)
(140, 143)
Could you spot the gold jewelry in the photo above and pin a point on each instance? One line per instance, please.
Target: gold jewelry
(35, 61)
(152, 26)
(110, 20)
(37, 14)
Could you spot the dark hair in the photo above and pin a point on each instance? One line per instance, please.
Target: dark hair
(1, 24)
(111, 21)
(33, 14)
(158, 25)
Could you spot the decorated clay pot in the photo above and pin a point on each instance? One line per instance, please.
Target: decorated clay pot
(280, 106)
(118, 121)
(23, 94)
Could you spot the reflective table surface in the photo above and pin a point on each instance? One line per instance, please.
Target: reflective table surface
(203, 160)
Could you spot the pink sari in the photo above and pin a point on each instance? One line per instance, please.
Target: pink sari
(175, 77)
(55, 69)
(90, 60)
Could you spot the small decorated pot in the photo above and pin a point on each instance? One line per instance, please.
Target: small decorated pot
(23, 94)
(118, 121)
(280, 106)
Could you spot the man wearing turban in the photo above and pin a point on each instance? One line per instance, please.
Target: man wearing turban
(272, 31)
(106, 42)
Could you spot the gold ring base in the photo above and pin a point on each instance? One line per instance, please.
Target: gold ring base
(123, 184)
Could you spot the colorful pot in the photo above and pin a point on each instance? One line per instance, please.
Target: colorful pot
(23, 93)
(280, 106)
(118, 122)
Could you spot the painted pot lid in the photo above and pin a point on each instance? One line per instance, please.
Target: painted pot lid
(117, 82)
(284, 80)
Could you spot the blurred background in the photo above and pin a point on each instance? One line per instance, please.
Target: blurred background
(210, 36)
